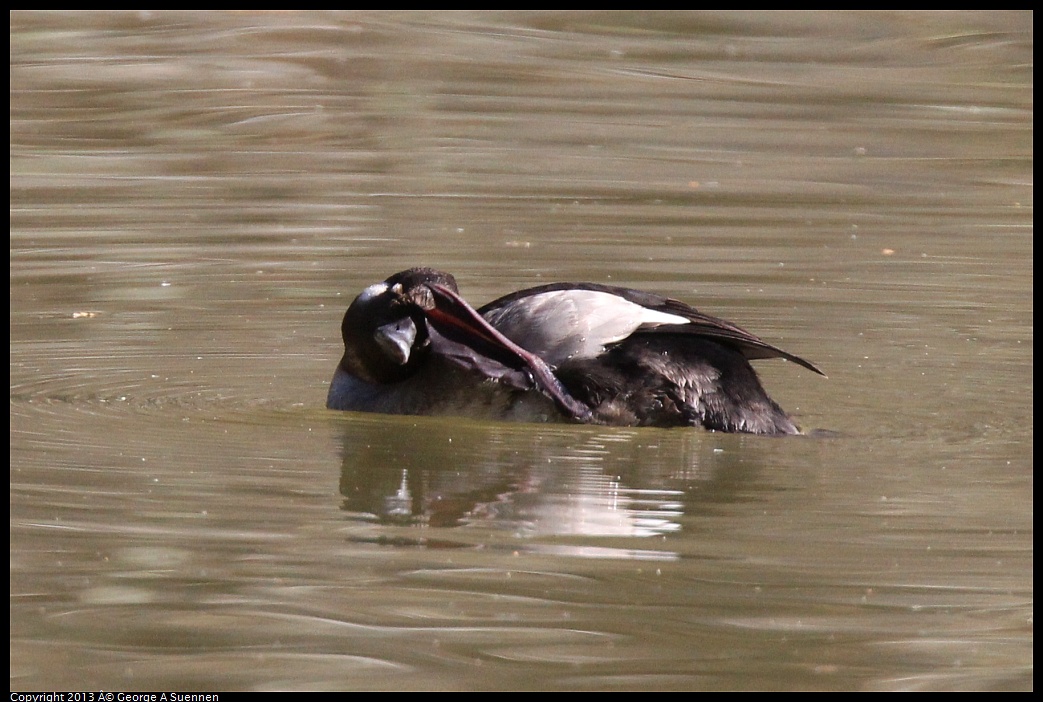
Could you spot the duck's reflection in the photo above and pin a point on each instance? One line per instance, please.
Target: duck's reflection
(535, 480)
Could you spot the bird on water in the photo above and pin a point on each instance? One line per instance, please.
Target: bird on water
(569, 352)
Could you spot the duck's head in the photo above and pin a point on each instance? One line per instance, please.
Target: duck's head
(385, 331)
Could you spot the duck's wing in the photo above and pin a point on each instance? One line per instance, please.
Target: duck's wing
(561, 323)
(710, 327)
(564, 321)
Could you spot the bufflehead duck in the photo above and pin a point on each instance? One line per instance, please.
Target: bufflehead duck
(579, 352)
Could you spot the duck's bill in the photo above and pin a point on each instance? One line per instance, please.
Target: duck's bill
(461, 335)
(396, 339)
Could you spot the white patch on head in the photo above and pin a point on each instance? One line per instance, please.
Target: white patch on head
(375, 290)
(564, 324)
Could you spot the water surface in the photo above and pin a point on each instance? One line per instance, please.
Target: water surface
(196, 197)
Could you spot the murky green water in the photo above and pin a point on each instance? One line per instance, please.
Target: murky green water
(195, 198)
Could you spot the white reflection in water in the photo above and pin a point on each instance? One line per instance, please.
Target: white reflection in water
(541, 484)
